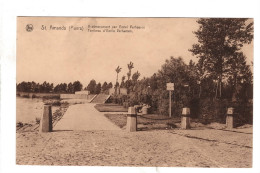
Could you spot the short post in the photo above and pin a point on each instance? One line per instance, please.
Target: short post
(185, 118)
(46, 120)
(131, 125)
(230, 118)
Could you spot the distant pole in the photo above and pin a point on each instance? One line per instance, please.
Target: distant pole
(170, 104)
(170, 88)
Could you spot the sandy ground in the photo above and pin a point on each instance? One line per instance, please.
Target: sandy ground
(160, 148)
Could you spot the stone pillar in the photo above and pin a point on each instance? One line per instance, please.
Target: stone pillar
(131, 125)
(230, 118)
(46, 120)
(185, 118)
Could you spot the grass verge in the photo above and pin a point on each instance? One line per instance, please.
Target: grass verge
(110, 108)
(145, 122)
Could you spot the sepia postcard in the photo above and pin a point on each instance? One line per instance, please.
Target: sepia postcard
(134, 92)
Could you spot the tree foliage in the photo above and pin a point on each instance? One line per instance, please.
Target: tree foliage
(130, 66)
(98, 88)
(47, 87)
(219, 39)
(91, 86)
(118, 70)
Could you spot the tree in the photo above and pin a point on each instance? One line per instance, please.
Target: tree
(238, 72)
(193, 78)
(70, 88)
(77, 86)
(176, 71)
(98, 88)
(104, 87)
(122, 82)
(91, 86)
(218, 40)
(60, 88)
(23, 87)
(64, 88)
(118, 70)
(130, 66)
(135, 76)
(109, 85)
(57, 88)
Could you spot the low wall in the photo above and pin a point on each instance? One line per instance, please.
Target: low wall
(82, 92)
(54, 95)
(76, 96)
(38, 95)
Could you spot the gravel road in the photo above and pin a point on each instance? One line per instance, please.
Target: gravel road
(156, 148)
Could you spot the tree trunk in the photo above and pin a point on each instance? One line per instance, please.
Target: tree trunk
(216, 90)
(234, 92)
(220, 86)
(200, 91)
(116, 83)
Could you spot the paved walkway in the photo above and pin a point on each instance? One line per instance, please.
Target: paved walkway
(84, 117)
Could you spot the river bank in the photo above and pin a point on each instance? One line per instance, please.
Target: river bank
(34, 126)
(29, 112)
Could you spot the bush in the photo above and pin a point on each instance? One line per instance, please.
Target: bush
(163, 107)
(52, 102)
(26, 96)
(37, 120)
(19, 124)
(243, 113)
(35, 96)
(216, 110)
(51, 97)
(195, 107)
(126, 104)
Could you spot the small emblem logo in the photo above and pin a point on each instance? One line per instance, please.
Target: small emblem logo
(29, 28)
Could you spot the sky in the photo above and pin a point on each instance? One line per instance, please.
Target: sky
(58, 56)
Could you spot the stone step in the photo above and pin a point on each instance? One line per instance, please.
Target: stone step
(100, 98)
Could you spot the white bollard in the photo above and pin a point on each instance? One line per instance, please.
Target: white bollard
(131, 125)
(230, 118)
(46, 120)
(185, 119)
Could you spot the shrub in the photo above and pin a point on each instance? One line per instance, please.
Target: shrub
(19, 124)
(25, 96)
(52, 102)
(37, 120)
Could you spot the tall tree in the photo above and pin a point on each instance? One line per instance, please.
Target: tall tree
(104, 87)
(118, 70)
(77, 86)
(123, 81)
(109, 85)
(130, 66)
(238, 72)
(218, 40)
(135, 76)
(91, 86)
(70, 88)
(98, 88)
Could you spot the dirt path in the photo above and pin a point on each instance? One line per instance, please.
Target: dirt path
(157, 148)
(84, 117)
